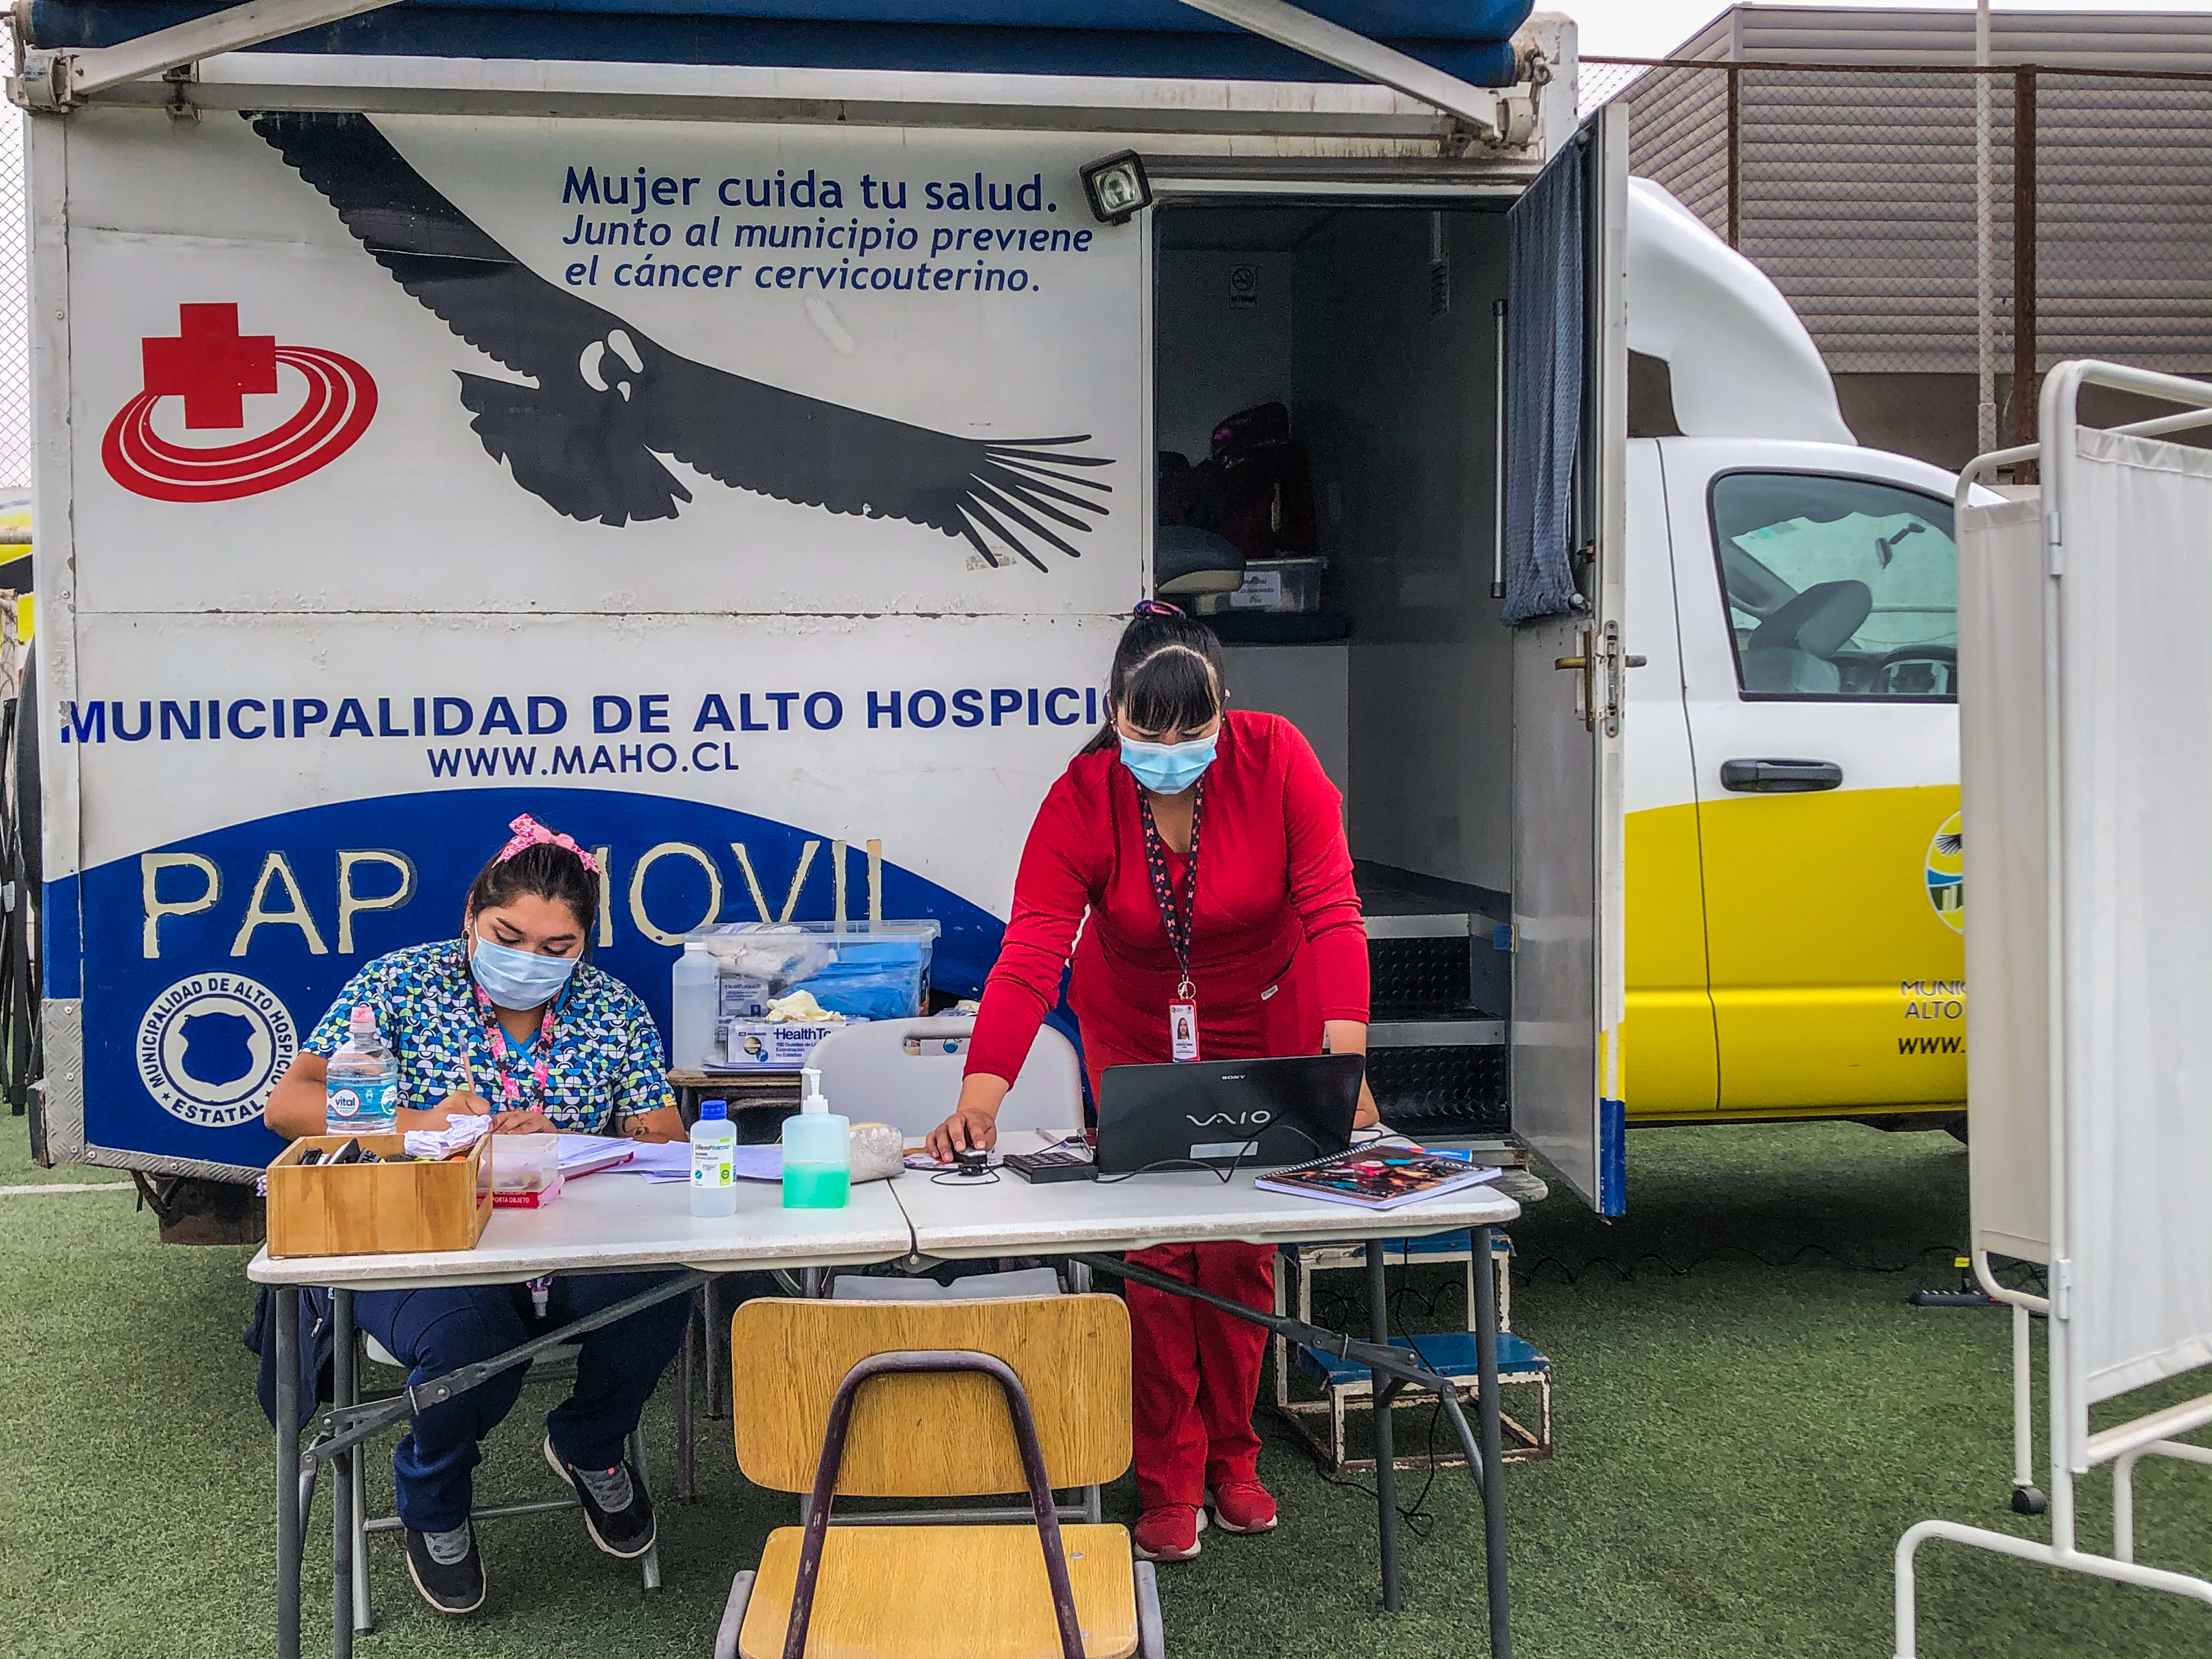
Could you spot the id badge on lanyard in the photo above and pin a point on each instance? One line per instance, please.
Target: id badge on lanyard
(1182, 1026)
(1177, 914)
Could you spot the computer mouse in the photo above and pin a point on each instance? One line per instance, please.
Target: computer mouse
(974, 1162)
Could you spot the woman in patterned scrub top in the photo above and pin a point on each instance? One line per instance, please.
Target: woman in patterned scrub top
(509, 1021)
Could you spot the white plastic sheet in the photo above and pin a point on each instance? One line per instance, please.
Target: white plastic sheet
(2135, 617)
(2002, 772)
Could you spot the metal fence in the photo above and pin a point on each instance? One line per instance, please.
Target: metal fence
(1858, 188)
(14, 306)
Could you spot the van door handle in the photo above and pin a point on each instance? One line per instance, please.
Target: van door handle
(1780, 777)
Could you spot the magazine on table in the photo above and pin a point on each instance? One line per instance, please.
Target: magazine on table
(1378, 1177)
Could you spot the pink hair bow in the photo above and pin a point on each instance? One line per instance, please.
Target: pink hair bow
(528, 832)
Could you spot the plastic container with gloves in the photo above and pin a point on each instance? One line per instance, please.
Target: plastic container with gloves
(853, 970)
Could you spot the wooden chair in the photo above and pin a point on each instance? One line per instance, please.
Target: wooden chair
(963, 1399)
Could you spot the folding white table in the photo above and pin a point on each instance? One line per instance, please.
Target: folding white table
(955, 1217)
(612, 1222)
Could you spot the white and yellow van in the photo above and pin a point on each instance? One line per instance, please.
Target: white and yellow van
(1794, 906)
(1795, 903)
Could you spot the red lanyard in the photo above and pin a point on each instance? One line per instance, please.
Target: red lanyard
(498, 1036)
(1177, 911)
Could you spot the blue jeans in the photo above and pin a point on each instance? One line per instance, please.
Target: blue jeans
(434, 1331)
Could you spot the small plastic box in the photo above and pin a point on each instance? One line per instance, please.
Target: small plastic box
(1282, 587)
(528, 1175)
(774, 1045)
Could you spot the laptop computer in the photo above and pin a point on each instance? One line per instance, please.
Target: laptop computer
(1220, 1112)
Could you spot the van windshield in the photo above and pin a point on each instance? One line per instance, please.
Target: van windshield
(1837, 588)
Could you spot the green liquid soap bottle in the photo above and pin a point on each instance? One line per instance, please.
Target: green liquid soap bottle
(817, 1153)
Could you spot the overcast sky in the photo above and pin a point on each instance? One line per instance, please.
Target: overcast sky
(1651, 28)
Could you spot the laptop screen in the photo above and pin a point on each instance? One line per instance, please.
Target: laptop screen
(1227, 1112)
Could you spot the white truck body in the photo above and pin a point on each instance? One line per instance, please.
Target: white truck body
(303, 652)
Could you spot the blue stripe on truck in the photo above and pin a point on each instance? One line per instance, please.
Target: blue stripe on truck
(179, 1045)
(61, 946)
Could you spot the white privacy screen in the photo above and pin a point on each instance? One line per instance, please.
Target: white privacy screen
(2002, 801)
(2136, 605)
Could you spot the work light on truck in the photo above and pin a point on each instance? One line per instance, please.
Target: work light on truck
(1117, 188)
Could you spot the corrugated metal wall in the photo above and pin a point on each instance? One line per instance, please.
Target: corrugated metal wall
(1856, 190)
(1678, 134)
(2124, 243)
(1858, 199)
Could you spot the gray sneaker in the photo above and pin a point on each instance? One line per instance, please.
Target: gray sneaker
(618, 1513)
(452, 1587)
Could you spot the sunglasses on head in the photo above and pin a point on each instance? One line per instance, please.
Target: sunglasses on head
(1155, 607)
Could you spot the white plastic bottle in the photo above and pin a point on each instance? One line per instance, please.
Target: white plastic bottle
(817, 1153)
(362, 1096)
(694, 999)
(714, 1144)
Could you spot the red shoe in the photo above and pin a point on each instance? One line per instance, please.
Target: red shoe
(1242, 1506)
(1170, 1533)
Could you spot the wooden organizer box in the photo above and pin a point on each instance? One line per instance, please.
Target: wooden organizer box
(377, 1209)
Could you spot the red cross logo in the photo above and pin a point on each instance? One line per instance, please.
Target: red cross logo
(213, 369)
(211, 366)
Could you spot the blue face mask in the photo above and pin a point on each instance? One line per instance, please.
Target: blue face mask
(519, 979)
(1169, 768)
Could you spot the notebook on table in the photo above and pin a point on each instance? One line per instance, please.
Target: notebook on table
(1378, 1177)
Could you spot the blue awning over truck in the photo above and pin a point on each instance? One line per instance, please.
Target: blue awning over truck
(1150, 39)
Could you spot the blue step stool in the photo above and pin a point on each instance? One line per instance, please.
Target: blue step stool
(1451, 1353)
(1347, 1385)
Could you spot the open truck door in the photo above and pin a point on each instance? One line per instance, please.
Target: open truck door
(1566, 456)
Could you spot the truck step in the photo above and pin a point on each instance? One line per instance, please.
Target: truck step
(1440, 1091)
(1472, 1033)
(1455, 975)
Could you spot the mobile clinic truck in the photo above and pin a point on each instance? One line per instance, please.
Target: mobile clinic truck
(732, 438)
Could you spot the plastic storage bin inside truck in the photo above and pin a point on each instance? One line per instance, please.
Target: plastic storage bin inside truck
(854, 970)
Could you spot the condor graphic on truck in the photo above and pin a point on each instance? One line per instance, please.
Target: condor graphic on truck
(1947, 874)
(610, 401)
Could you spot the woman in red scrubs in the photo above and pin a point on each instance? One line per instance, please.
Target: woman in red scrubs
(1192, 858)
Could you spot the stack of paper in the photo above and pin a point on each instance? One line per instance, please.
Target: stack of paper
(757, 1163)
(670, 1160)
(660, 1160)
(582, 1154)
(460, 1134)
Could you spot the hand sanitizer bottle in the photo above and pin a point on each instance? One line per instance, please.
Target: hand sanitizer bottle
(817, 1155)
(714, 1140)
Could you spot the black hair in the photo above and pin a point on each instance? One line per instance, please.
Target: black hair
(1166, 676)
(545, 870)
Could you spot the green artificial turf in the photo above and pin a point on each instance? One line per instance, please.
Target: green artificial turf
(1748, 1415)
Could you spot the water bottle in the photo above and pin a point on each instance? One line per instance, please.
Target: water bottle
(362, 1097)
(817, 1153)
(694, 1008)
(713, 1145)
